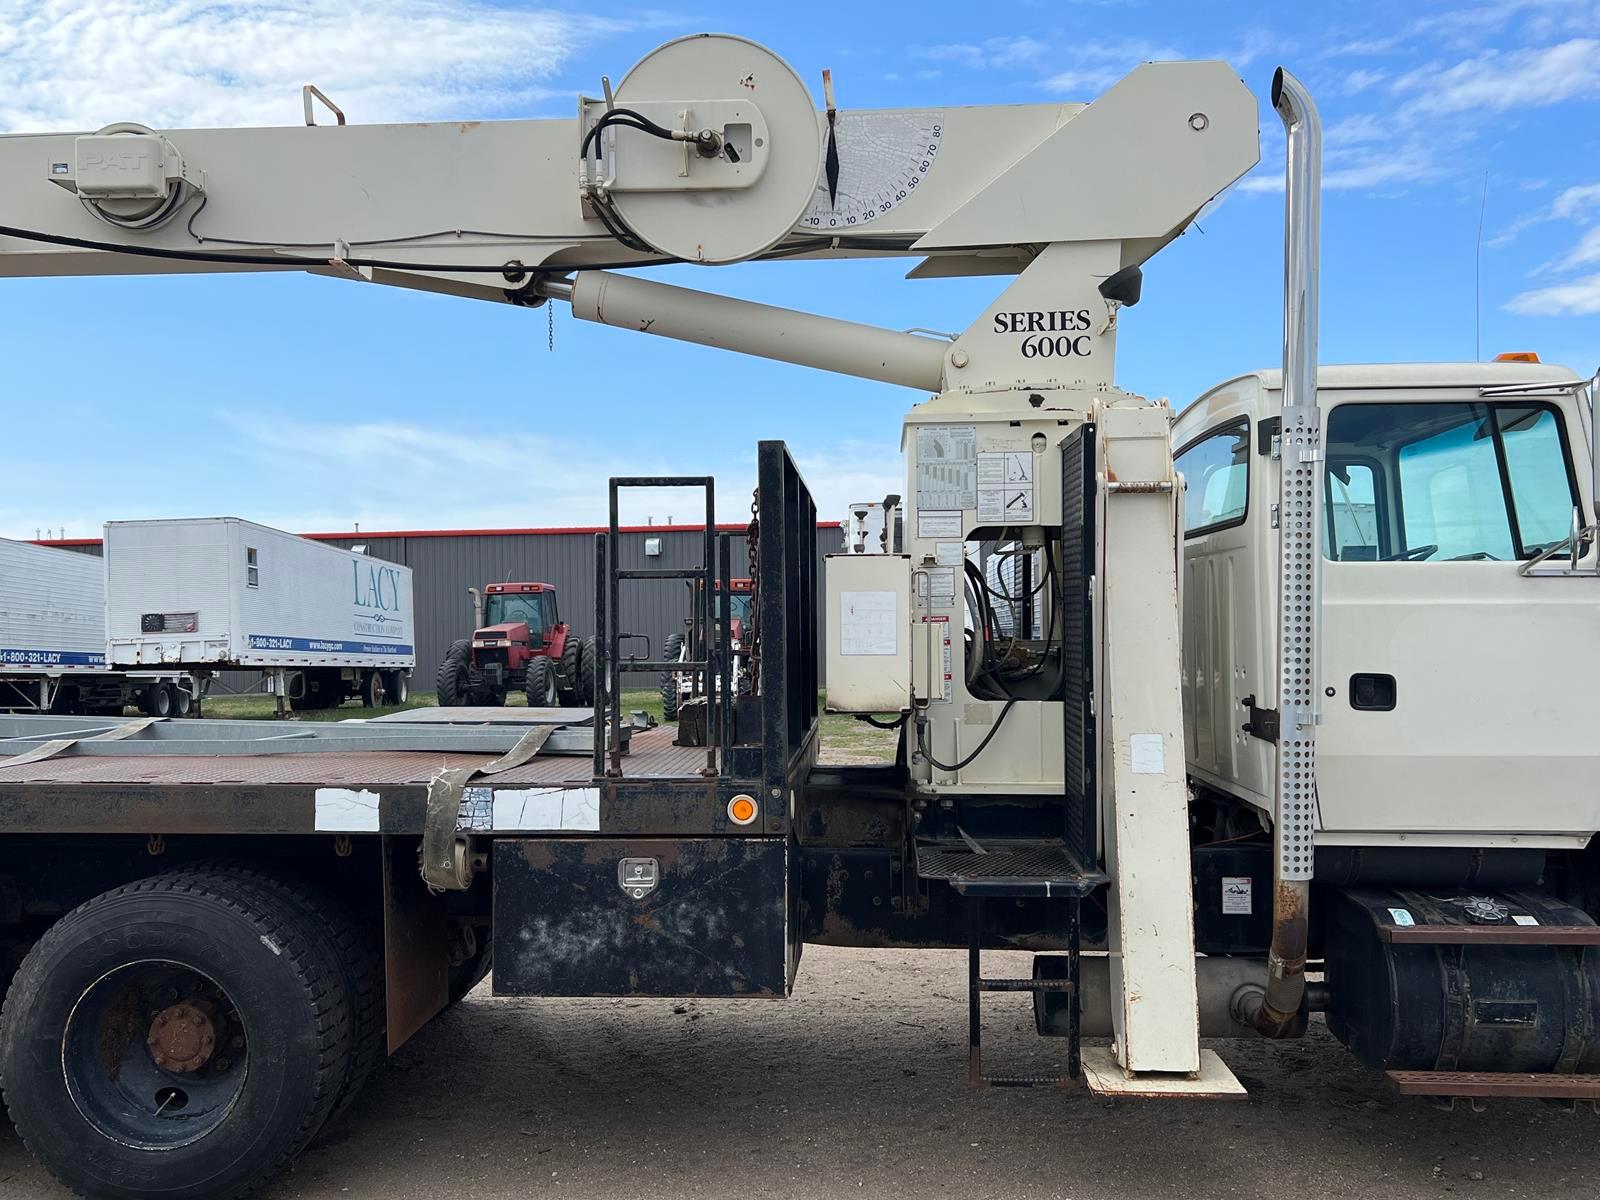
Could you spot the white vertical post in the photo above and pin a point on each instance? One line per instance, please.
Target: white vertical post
(1150, 909)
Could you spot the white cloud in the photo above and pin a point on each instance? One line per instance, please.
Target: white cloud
(1093, 66)
(1574, 200)
(1360, 80)
(84, 63)
(1587, 250)
(1499, 80)
(1580, 297)
(419, 476)
(992, 52)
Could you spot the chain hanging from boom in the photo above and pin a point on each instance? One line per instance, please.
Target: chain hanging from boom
(750, 684)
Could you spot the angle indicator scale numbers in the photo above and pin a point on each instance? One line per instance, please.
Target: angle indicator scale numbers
(872, 162)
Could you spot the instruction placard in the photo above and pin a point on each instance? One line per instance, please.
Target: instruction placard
(1005, 487)
(941, 586)
(868, 623)
(938, 523)
(947, 466)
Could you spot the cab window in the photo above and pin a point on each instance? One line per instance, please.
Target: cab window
(509, 607)
(1216, 470)
(1445, 482)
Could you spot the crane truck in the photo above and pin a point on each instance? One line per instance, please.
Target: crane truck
(213, 936)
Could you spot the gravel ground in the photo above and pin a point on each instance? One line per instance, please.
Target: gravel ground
(856, 1087)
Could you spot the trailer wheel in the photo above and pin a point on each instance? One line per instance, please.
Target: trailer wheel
(182, 701)
(373, 691)
(541, 688)
(398, 685)
(453, 671)
(180, 1037)
(156, 700)
(670, 652)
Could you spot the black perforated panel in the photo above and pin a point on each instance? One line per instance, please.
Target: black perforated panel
(1077, 648)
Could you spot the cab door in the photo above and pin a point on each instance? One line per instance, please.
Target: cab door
(1456, 690)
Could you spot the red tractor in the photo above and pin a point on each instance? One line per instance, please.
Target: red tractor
(519, 644)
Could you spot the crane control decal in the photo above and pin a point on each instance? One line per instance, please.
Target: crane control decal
(872, 163)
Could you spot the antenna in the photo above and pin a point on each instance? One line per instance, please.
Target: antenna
(1477, 277)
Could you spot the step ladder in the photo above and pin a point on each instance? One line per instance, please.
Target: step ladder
(609, 636)
(1039, 869)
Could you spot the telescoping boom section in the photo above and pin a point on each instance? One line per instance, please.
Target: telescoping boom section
(1017, 623)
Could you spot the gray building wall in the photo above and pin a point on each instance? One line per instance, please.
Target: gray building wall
(445, 564)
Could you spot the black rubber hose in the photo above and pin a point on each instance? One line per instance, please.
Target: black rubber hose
(922, 742)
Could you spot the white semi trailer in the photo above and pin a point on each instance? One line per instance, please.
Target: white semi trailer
(315, 896)
(219, 593)
(53, 641)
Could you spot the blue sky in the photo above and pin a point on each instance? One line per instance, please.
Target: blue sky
(314, 404)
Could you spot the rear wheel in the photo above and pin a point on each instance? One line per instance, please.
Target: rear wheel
(348, 940)
(398, 685)
(569, 678)
(587, 675)
(373, 691)
(184, 1036)
(156, 700)
(453, 671)
(670, 652)
(541, 687)
(182, 700)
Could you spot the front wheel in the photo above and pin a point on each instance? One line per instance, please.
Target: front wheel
(180, 1037)
(541, 688)
(454, 673)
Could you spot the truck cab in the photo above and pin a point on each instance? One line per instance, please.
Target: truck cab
(1459, 631)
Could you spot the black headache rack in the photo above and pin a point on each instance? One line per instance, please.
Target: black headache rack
(761, 735)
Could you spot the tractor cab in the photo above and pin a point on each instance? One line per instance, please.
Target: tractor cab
(516, 618)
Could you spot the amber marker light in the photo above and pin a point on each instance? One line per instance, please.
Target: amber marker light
(742, 809)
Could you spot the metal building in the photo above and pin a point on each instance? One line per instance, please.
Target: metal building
(446, 562)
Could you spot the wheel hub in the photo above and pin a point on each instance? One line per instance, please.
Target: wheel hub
(182, 1037)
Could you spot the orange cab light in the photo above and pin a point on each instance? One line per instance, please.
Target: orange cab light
(742, 809)
(1517, 356)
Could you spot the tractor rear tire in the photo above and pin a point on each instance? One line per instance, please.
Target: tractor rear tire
(588, 674)
(569, 677)
(453, 671)
(374, 691)
(541, 689)
(670, 652)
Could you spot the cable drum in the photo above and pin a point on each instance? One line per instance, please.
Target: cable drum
(741, 200)
(142, 212)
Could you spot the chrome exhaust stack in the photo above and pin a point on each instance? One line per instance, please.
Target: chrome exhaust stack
(1274, 1008)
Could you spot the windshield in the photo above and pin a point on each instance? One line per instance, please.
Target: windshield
(523, 606)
